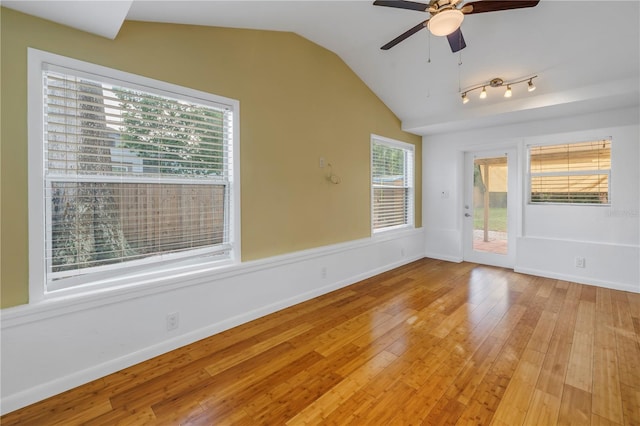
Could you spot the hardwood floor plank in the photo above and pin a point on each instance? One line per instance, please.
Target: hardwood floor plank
(225, 404)
(278, 402)
(580, 370)
(606, 397)
(327, 403)
(385, 406)
(597, 420)
(182, 405)
(543, 409)
(519, 393)
(546, 286)
(63, 408)
(628, 355)
(431, 342)
(588, 293)
(489, 393)
(575, 409)
(630, 403)
(124, 417)
(475, 370)
(541, 336)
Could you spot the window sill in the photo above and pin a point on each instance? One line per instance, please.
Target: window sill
(391, 232)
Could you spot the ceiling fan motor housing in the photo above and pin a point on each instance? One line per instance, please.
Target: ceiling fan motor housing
(436, 6)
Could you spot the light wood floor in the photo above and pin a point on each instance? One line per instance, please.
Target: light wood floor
(429, 343)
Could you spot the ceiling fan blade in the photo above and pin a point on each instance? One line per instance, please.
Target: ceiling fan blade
(496, 5)
(401, 4)
(405, 35)
(456, 41)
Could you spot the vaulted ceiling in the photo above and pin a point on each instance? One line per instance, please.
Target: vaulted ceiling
(586, 54)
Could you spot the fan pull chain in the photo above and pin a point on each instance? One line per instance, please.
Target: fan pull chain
(459, 70)
(429, 46)
(459, 51)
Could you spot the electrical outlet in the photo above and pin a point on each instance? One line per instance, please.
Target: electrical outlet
(321, 162)
(173, 321)
(580, 262)
(402, 252)
(323, 272)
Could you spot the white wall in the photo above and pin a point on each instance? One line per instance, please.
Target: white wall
(549, 237)
(53, 346)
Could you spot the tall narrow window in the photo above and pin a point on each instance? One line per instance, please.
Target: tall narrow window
(133, 176)
(574, 173)
(392, 183)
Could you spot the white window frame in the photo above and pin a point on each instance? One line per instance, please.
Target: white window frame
(136, 272)
(567, 173)
(408, 148)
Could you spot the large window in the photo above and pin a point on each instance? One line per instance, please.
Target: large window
(573, 173)
(392, 193)
(129, 175)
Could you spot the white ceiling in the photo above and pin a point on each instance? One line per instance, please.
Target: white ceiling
(586, 53)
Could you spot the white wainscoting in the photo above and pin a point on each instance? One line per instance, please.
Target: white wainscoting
(444, 244)
(615, 266)
(56, 345)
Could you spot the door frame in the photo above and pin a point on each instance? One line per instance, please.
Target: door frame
(513, 206)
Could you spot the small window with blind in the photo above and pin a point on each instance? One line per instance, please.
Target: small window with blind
(132, 175)
(572, 173)
(392, 183)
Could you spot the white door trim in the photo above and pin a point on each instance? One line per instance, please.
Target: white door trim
(513, 197)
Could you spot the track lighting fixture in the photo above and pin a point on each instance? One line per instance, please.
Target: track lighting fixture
(498, 82)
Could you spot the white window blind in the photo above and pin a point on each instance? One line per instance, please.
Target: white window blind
(132, 175)
(576, 173)
(392, 177)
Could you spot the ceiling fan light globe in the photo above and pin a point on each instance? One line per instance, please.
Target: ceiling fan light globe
(445, 22)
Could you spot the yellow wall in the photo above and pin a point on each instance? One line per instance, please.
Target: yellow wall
(298, 101)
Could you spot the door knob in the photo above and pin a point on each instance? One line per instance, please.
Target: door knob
(467, 215)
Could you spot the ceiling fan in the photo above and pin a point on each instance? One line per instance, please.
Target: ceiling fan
(446, 17)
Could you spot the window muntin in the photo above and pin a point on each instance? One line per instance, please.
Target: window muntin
(572, 173)
(134, 177)
(392, 184)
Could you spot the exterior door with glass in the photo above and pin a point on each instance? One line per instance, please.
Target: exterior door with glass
(489, 203)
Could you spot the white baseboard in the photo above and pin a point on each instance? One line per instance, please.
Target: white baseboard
(580, 279)
(454, 259)
(90, 338)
